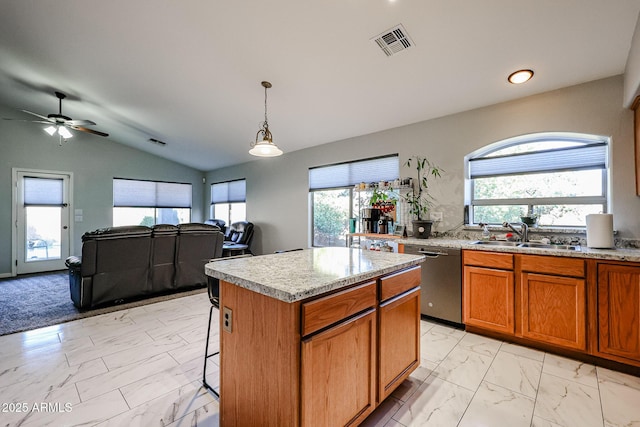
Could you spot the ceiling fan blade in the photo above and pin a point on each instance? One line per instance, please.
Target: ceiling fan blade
(80, 123)
(38, 115)
(17, 120)
(28, 121)
(83, 129)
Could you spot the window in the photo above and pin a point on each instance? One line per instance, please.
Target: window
(150, 202)
(333, 199)
(228, 201)
(558, 177)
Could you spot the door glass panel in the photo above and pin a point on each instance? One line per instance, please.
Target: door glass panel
(43, 233)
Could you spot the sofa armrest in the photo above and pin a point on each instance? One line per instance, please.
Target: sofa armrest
(73, 262)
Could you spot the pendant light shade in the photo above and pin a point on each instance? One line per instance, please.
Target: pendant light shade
(264, 146)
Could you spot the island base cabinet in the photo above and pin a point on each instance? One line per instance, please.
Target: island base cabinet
(338, 373)
(554, 310)
(259, 360)
(399, 332)
(619, 311)
(489, 299)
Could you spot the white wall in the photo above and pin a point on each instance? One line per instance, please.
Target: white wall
(94, 161)
(277, 188)
(632, 70)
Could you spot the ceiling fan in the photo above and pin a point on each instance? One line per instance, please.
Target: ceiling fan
(59, 122)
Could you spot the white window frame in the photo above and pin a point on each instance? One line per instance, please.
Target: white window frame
(157, 196)
(530, 202)
(345, 175)
(233, 196)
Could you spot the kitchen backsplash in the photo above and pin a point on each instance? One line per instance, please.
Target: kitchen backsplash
(560, 236)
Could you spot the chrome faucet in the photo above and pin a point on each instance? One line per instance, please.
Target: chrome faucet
(524, 230)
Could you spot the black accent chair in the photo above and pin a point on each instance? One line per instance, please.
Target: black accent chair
(213, 288)
(220, 223)
(238, 239)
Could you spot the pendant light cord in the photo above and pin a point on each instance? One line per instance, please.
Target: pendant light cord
(266, 123)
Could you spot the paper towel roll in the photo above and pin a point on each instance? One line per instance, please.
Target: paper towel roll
(600, 231)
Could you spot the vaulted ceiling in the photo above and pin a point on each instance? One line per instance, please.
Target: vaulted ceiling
(188, 72)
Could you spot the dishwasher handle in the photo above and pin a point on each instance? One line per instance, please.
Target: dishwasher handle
(432, 254)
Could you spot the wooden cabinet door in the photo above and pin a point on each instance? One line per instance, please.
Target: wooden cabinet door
(489, 299)
(554, 310)
(399, 326)
(619, 310)
(339, 373)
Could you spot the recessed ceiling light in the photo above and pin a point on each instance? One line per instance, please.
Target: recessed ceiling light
(520, 76)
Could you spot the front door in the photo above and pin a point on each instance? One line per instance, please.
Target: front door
(42, 221)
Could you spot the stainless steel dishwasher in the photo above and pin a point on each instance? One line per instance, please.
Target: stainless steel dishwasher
(441, 284)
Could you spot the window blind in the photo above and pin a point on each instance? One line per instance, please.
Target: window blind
(229, 191)
(588, 156)
(43, 191)
(351, 173)
(136, 194)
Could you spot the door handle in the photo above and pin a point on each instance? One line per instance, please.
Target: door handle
(64, 227)
(432, 254)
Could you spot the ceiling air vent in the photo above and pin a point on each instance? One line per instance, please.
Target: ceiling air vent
(157, 141)
(394, 40)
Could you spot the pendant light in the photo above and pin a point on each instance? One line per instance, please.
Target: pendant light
(265, 147)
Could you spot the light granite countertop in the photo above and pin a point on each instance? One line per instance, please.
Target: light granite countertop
(583, 252)
(294, 276)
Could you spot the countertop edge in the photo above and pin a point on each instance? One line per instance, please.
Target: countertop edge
(291, 297)
(630, 255)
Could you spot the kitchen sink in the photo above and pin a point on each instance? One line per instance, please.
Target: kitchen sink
(546, 246)
(495, 243)
(526, 245)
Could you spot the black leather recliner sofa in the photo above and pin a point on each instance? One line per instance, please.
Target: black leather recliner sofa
(123, 263)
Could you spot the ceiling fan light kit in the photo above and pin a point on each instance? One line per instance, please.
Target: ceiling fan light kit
(50, 130)
(265, 147)
(60, 124)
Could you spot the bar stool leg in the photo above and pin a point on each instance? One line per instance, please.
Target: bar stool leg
(207, 355)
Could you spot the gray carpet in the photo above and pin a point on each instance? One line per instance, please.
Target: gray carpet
(38, 300)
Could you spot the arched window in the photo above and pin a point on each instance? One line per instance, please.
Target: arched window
(558, 177)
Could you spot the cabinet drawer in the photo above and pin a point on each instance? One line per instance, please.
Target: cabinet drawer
(558, 266)
(400, 282)
(325, 311)
(488, 259)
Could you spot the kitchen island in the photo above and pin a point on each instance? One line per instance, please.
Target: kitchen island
(315, 337)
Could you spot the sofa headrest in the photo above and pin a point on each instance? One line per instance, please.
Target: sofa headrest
(164, 230)
(196, 227)
(218, 222)
(117, 232)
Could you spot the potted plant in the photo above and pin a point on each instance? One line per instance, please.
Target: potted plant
(419, 199)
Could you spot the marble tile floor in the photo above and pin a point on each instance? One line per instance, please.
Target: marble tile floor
(143, 367)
